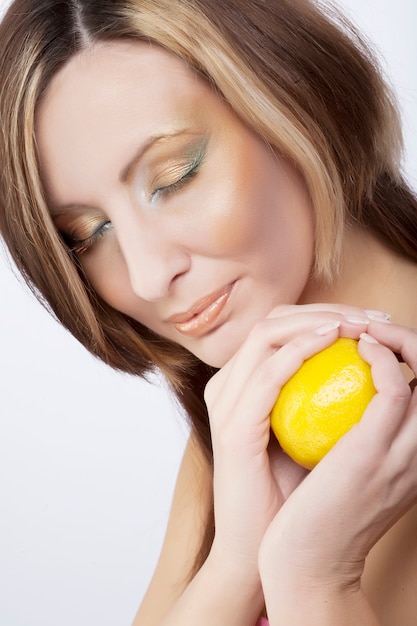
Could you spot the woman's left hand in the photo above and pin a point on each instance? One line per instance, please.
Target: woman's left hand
(324, 531)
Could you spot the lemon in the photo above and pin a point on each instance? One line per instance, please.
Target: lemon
(322, 401)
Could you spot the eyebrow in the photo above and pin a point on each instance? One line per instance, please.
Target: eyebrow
(56, 211)
(126, 171)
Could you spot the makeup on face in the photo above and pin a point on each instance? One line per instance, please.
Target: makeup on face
(166, 171)
(161, 170)
(180, 216)
(204, 314)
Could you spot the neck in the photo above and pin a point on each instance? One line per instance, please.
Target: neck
(371, 276)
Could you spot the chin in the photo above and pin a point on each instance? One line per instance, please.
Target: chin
(216, 353)
(216, 363)
(218, 347)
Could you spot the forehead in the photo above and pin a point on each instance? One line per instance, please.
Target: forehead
(121, 92)
(104, 69)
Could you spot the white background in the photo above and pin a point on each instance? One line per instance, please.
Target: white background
(87, 457)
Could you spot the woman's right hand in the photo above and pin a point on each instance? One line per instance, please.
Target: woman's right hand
(313, 554)
(252, 476)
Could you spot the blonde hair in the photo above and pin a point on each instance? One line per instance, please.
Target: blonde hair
(286, 69)
(301, 78)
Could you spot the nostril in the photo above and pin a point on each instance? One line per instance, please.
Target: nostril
(154, 255)
(154, 278)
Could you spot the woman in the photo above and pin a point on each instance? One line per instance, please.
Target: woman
(183, 183)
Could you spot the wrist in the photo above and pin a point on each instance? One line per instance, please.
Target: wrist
(300, 593)
(297, 554)
(218, 594)
(287, 573)
(235, 568)
(298, 602)
(229, 594)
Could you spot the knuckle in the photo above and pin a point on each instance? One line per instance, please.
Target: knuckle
(259, 331)
(207, 394)
(297, 343)
(265, 375)
(211, 389)
(278, 310)
(399, 391)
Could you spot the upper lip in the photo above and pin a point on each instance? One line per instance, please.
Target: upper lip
(199, 306)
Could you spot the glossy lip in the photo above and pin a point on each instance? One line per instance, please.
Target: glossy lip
(203, 315)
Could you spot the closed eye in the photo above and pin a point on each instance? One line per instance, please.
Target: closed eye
(80, 246)
(190, 172)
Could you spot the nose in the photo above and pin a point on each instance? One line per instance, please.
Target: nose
(154, 259)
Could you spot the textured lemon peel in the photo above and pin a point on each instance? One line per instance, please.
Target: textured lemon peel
(322, 401)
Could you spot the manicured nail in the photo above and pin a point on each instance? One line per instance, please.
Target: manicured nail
(357, 319)
(323, 330)
(367, 338)
(378, 316)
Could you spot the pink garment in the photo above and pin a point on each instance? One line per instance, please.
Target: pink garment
(262, 622)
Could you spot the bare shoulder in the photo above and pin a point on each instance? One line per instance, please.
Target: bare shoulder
(184, 533)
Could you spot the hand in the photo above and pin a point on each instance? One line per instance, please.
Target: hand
(323, 533)
(253, 477)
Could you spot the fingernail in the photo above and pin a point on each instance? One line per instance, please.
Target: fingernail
(357, 319)
(367, 338)
(378, 316)
(323, 330)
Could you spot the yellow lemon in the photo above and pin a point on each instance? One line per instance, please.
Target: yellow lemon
(322, 401)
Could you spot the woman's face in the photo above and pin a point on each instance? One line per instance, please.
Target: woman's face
(181, 217)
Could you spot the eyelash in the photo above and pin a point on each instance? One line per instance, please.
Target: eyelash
(175, 186)
(80, 247)
(83, 245)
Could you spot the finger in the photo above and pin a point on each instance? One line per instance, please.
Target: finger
(272, 374)
(353, 320)
(329, 307)
(399, 339)
(272, 333)
(389, 424)
(265, 338)
(247, 407)
(389, 406)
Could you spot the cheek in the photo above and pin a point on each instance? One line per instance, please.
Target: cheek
(234, 211)
(260, 204)
(233, 227)
(109, 278)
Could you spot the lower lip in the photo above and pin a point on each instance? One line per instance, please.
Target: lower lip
(207, 319)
